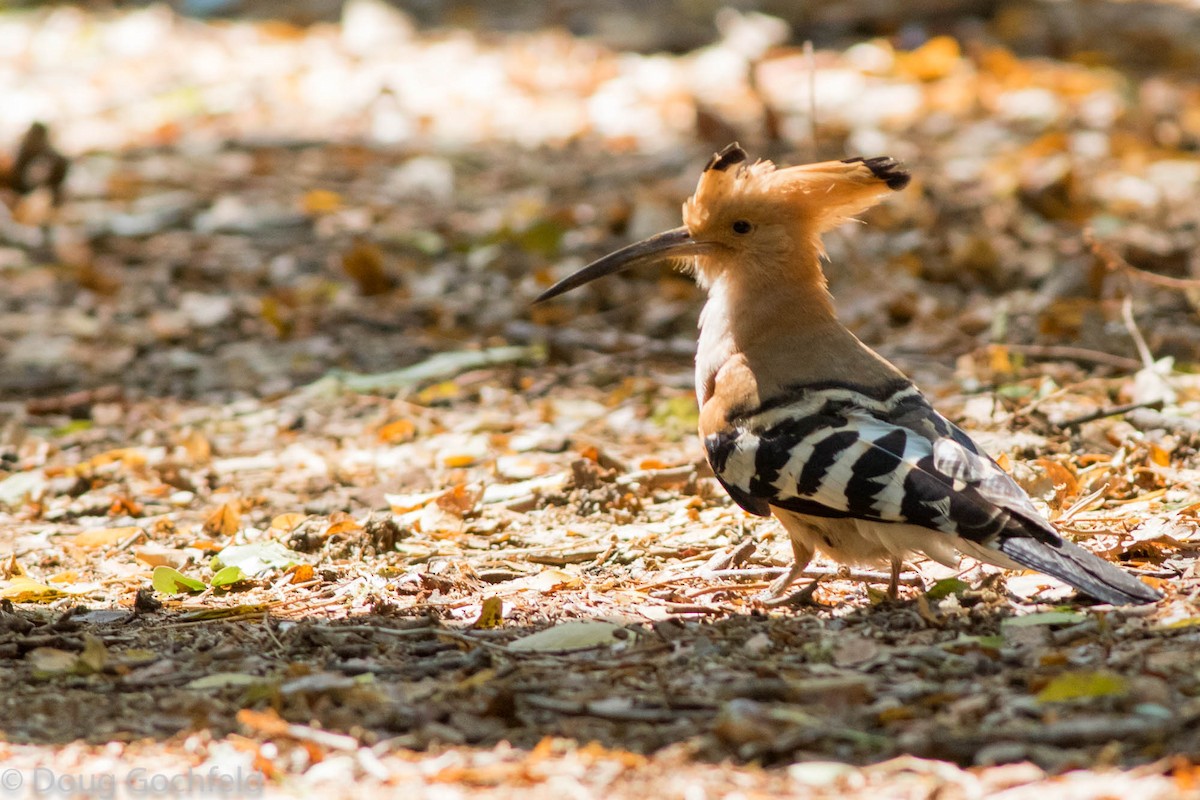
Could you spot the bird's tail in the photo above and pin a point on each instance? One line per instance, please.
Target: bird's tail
(1088, 573)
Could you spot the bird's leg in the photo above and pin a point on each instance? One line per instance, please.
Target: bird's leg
(894, 580)
(775, 593)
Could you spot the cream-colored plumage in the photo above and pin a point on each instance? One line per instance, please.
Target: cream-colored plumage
(801, 420)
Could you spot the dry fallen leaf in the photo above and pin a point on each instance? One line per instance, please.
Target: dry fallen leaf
(224, 521)
(576, 635)
(363, 262)
(105, 537)
(491, 614)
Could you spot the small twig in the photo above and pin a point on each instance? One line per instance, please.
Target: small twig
(1082, 504)
(1029, 409)
(473, 640)
(424, 630)
(811, 60)
(1139, 341)
(771, 122)
(659, 478)
(801, 597)
(129, 541)
(727, 587)
(606, 555)
(266, 625)
(326, 739)
(1074, 354)
(1114, 262)
(695, 608)
(573, 557)
(725, 559)
(860, 575)
(1112, 411)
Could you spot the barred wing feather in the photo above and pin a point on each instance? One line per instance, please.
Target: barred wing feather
(843, 459)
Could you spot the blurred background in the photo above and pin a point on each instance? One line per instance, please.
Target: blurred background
(233, 198)
(265, 282)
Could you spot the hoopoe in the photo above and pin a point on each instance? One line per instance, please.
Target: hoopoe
(800, 419)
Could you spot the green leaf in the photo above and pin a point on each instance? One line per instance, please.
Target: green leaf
(543, 238)
(169, 580)
(1044, 618)
(228, 577)
(229, 612)
(965, 643)
(74, 426)
(946, 587)
(678, 415)
(223, 680)
(1083, 685)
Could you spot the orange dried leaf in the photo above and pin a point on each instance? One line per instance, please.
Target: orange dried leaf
(342, 523)
(301, 573)
(1065, 483)
(225, 521)
(288, 522)
(1160, 455)
(461, 500)
(129, 457)
(397, 431)
(935, 59)
(267, 723)
(124, 506)
(197, 447)
(458, 460)
(998, 359)
(321, 201)
(105, 537)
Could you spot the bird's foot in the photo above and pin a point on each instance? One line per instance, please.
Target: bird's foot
(777, 593)
(802, 597)
(780, 584)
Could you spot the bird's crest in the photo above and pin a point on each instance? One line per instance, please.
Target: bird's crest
(726, 175)
(820, 195)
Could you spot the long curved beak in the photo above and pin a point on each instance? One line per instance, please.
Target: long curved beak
(675, 243)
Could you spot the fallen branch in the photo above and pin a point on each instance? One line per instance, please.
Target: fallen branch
(860, 575)
(1115, 262)
(438, 367)
(1112, 411)
(1074, 354)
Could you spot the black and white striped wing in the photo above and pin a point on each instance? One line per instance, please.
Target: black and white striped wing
(848, 459)
(889, 457)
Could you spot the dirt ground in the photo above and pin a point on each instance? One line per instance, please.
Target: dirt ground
(299, 495)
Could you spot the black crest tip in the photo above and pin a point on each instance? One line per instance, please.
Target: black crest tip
(730, 155)
(886, 169)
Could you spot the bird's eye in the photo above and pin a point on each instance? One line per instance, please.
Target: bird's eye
(742, 226)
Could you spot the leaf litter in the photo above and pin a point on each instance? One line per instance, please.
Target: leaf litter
(293, 479)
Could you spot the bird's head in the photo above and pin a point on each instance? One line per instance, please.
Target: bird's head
(754, 222)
